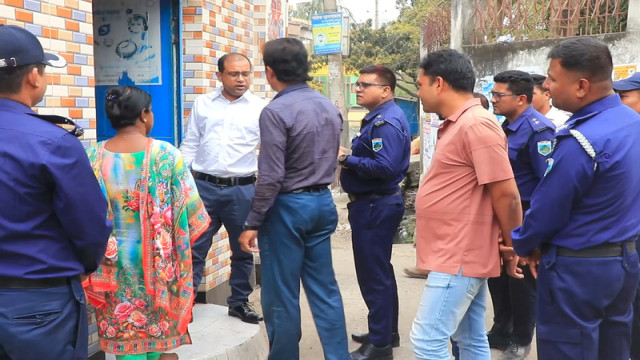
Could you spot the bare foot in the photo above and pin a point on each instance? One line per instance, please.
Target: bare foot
(168, 356)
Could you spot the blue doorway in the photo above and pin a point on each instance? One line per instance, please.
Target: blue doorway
(137, 43)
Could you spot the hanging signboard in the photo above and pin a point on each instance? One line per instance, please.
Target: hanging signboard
(327, 33)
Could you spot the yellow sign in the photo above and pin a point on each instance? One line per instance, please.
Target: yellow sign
(624, 71)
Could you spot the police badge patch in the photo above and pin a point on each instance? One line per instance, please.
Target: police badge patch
(376, 144)
(544, 147)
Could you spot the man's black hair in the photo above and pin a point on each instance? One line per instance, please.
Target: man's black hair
(11, 78)
(538, 80)
(384, 73)
(452, 66)
(288, 59)
(585, 55)
(518, 82)
(225, 57)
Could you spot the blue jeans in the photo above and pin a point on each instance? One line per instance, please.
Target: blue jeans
(47, 323)
(228, 206)
(451, 306)
(295, 245)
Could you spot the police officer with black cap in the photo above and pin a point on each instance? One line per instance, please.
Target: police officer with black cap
(53, 215)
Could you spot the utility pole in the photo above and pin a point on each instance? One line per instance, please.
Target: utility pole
(336, 80)
(376, 16)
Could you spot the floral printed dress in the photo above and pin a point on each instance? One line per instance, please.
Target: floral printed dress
(143, 291)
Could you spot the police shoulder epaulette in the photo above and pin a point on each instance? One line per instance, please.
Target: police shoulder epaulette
(537, 125)
(379, 122)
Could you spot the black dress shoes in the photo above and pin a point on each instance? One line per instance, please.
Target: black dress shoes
(245, 313)
(371, 352)
(363, 338)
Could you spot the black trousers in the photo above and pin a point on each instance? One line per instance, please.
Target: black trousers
(514, 306)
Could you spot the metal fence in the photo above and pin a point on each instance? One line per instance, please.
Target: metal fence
(436, 27)
(517, 20)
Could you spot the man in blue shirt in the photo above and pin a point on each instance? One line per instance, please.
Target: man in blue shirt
(371, 172)
(53, 215)
(584, 213)
(629, 91)
(530, 136)
(293, 211)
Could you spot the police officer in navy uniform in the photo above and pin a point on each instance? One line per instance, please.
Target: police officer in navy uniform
(377, 163)
(53, 215)
(580, 233)
(530, 136)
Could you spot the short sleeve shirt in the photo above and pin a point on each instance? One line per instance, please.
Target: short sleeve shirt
(456, 226)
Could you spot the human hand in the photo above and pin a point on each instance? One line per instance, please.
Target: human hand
(506, 252)
(247, 241)
(512, 269)
(534, 262)
(343, 151)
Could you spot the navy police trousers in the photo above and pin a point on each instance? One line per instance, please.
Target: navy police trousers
(38, 324)
(585, 306)
(374, 222)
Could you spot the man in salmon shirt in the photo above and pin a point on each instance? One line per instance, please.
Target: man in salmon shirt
(468, 197)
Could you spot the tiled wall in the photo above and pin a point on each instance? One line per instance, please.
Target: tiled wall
(63, 27)
(211, 28)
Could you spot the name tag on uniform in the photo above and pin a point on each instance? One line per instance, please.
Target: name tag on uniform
(376, 144)
(544, 147)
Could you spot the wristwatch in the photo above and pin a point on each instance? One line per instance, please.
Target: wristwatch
(249, 227)
(342, 159)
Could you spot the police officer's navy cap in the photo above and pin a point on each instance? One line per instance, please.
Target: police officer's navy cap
(630, 83)
(20, 47)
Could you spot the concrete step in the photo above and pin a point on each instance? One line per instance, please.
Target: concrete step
(218, 336)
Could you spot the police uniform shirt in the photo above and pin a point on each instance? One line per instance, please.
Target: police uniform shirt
(590, 193)
(530, 138)
(53, 214)
(380, 152)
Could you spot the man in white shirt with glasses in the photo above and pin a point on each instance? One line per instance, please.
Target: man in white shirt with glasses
(220, 148)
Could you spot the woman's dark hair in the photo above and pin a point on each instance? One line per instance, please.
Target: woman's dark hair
(124, 104)
(287, 57)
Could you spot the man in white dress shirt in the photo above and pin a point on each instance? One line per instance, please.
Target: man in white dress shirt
(220, 148)
(541, 103)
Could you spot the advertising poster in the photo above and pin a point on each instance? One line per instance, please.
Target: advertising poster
(275, 20)
(624, 71)
(327, 33)
(127, 42)
(430, 125)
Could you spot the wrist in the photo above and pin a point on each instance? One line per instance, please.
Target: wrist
(250, 227)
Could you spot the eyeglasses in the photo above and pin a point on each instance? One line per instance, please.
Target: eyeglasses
(363, 85)
(499, 95)
(238, 74)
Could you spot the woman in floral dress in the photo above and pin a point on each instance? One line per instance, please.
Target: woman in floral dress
(143, 291)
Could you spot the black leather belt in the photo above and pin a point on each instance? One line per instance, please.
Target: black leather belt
(7, 282)
(603, 250)
(317, 188)
(225, 181)
(354, 197)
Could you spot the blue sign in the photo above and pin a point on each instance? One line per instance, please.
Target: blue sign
(327, 33)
